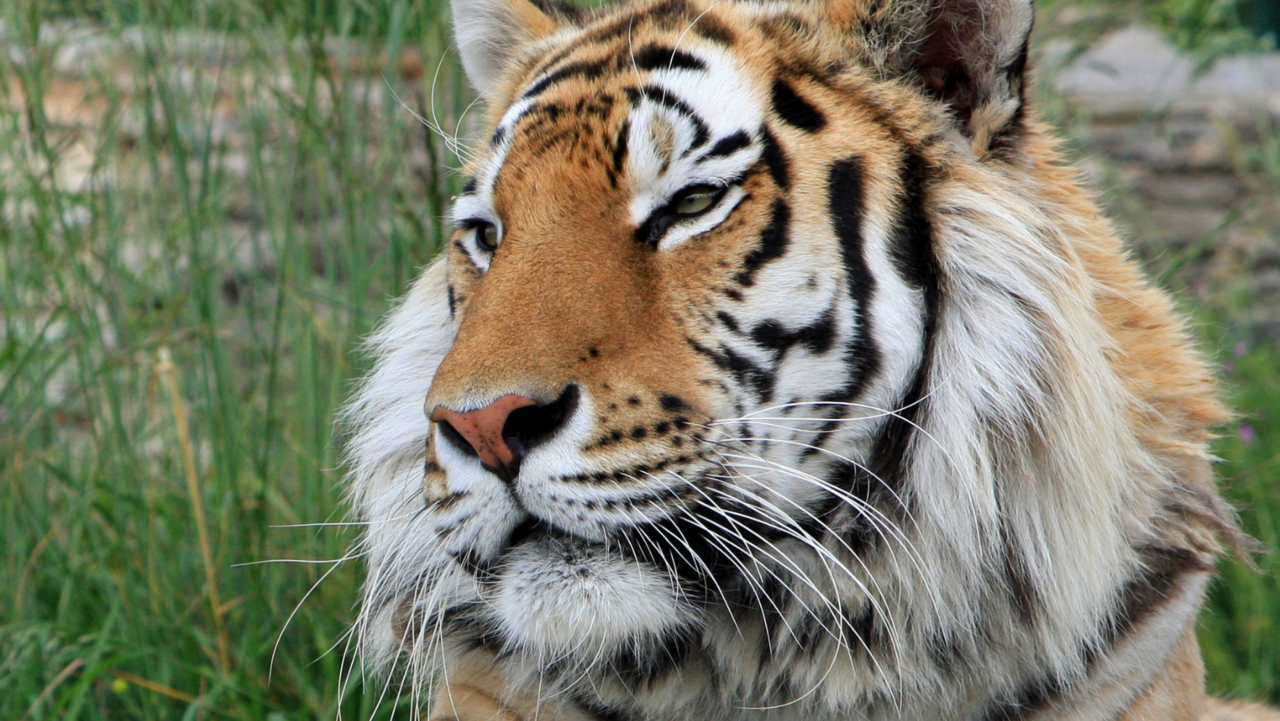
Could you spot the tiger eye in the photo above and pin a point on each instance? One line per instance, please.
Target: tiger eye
(487, 237)
(696, 201)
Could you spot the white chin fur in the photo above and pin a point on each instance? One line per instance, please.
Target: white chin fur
(558, 599)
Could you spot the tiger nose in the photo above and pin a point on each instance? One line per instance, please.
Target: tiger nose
(480, 433)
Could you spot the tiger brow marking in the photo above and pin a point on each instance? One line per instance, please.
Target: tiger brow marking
(727, 145)
(660, 96)
(658, 57)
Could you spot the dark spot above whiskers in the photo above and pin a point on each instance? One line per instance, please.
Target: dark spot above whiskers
(671, 402)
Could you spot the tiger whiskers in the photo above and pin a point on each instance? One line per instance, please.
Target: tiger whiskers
(884, 526)
(751, 547)
(876, 413)
(880, 522)
(793, 529)
(765, 554)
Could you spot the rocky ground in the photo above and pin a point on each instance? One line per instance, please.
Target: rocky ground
(1188, 159)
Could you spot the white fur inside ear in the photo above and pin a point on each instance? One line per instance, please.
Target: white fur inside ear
(490, 32)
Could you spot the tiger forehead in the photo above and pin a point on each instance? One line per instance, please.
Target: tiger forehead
(641, 114)
(584, 88)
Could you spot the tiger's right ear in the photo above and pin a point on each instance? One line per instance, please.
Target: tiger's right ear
(491, 32)
(969, 54)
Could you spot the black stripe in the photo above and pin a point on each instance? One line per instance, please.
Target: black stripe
(773, 243)
(645, 661)
(1150, 588)
(589, 70)
(776, 160)
(667, 10)
(620, 147)
(772, 615)
(913, 254)
(559, 9)
(794, 109)
(470, 621)
(1142, 595)
(668, 15)
(1024, 701)
(912, 246)
(728, 321)
(863, 635)
(728, 145)
(657, 57)
(712, 29)
(1006, 139)
(845, 197)
(600, 712)
(816, 338)
(1024, 597)
(745, 371)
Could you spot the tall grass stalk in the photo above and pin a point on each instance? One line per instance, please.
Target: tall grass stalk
(203, 207)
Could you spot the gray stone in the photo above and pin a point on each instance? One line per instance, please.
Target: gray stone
(1136, 71)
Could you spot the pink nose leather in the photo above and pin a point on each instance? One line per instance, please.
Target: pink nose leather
(483, 428)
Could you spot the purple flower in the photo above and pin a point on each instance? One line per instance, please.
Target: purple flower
(1247, 433)
(1242, 348)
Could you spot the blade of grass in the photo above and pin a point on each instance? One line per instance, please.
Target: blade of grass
(169, 373)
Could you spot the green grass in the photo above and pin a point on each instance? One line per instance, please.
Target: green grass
(247, 204)
(257, 256)
(1240, 632)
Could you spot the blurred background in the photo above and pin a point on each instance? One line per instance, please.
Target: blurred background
(206, 204)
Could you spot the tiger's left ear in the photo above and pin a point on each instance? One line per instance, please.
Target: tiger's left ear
(970, 54)
(491, 32)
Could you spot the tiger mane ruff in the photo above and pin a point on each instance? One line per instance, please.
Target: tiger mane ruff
(779, 367)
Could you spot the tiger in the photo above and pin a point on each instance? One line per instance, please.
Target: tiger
(780, 366)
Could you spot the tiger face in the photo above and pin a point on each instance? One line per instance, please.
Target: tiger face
(758, 367)
(655, 334)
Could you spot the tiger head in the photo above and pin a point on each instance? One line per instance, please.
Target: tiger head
(775, 356)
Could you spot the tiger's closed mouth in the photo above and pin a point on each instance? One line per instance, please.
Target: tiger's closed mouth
(533, 531)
